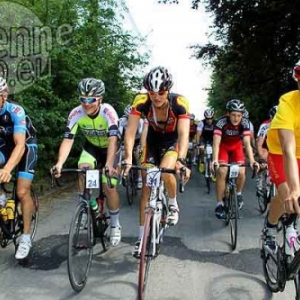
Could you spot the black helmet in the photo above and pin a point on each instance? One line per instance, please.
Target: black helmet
(91, 87)
(158, 79)
(273, 111)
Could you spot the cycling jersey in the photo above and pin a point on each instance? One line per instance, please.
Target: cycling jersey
(14, 120)
(231, 133)
(287, 117)
(123, 124)
(162, 130)
(207, 131)
(262, 132)
(96, 129)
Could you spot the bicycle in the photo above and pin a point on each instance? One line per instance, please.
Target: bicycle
(265, 191)
(86, 229)
(279, 267)
(156, 224)
(230, 200)
(12, 229)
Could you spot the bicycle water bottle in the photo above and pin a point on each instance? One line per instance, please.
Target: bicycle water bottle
(290, 240)
(10, 208)
(3, 211)
(95, 208)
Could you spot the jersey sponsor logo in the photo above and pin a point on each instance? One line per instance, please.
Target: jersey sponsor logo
(231, 132)
(74, 113)
(110, 115)
(17, 110)
(94, 132)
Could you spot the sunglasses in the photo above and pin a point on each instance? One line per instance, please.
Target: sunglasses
(161, 93)
(88, 100)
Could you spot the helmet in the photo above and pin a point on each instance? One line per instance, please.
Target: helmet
(158, 79)
(3, 85)
(246, 114)
(273, 111)
(209, 113)
(127, 110)
(296, 71)
(192, 117)
(91, 87)
(235, 105)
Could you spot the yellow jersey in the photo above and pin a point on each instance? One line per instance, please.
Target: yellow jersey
(286, 117)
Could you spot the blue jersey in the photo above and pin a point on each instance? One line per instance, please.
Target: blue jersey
(14, 120)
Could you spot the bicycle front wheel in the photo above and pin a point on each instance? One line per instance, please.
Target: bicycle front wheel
(130, 188)
(233, 217)
(145, 256)
(80, 248)
(207, 175)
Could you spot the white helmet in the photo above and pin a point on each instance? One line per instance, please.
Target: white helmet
(158, 79)
(3, 85)
(209, 113)
(91, 87)
(127, 110)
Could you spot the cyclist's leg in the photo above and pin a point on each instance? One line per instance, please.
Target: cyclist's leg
(238, 156)
(221, 181)
(277, 174)
(168, 160)
(26, 169)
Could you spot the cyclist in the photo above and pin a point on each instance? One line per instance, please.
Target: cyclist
(122, 128)
(283, 142)
(99, 124)
(227, 144)
(261, 140)
(252, 135)
(205, 130)
(18, 146)
(168, 135)
(192, 136)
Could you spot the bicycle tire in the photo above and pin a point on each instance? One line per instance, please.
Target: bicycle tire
(145, 256)
(262, 201)
(233, 211)
(130, 188)
(75, 243)
(273, 281)
(207, 175)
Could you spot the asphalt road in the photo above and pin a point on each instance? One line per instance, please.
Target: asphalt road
(196, 261)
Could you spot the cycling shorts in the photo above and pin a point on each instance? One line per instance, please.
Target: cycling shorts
(276, 168)
(233, 152)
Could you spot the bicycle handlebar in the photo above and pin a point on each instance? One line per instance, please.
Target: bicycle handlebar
(83, 171)
(254, 171)
(162, 170)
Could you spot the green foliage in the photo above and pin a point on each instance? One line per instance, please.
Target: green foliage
(87, 40)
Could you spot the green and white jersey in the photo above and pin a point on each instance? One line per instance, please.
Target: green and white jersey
(96, 129)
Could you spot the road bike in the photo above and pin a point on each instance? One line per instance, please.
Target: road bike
(280, 267)
(12, 228)
(207, 168)
(265, 191)
(87, 228)
(156, 221)
(230, 200)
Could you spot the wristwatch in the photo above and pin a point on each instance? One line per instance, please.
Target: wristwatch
(182, 161)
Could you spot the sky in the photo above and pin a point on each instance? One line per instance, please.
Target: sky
(171, 29)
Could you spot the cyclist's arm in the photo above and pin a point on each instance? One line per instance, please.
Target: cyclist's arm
(259, 143)
(198, 136)
(216, 145)
(288, 145)
(112, 150)
(248, 148)
(144, 134)
(64, 151)
(183, 130)
(129, 139)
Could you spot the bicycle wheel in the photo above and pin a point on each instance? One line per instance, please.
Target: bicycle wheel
(146, 255)
(233, 218)
(273, 264)
(262, 197)
(35, 214)
(80, 248)
(130, 186)
(207, 175)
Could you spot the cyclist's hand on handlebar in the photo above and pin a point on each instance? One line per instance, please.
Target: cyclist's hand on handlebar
(126, 164)
(56, 170)
(109, 170)
(187, 173)
(5, 176)
(214, 166)
(255, 166)
(291, 203)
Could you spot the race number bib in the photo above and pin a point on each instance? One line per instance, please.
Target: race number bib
(234, 171)
(209, 149)
(92, 179)
(153, 177)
